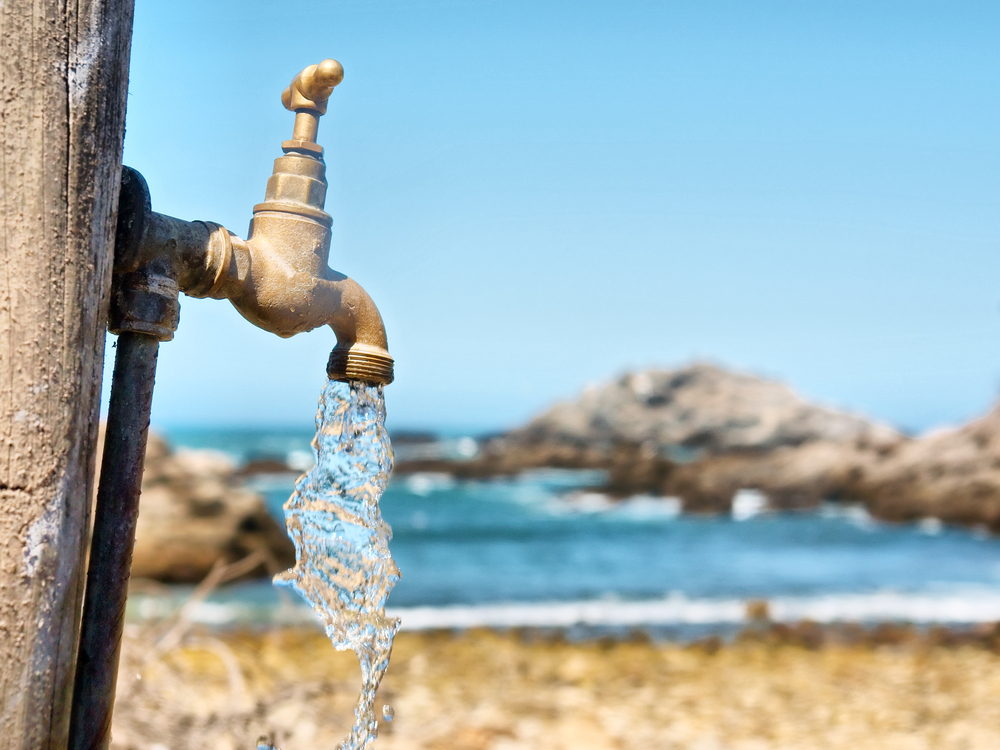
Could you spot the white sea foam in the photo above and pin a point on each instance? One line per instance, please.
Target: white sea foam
(425, 483)
(300, 460)
(930, 526)
(966, 606)
(587, 502)
(853, 513)
(748, 503)
(648, 507)
(634, 508)
(673, 609)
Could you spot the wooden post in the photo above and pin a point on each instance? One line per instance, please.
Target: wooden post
(64, 77)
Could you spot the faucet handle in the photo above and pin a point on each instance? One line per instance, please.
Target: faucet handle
(306, 97)
(310, 89)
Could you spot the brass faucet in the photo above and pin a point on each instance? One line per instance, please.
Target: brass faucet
(278, 278)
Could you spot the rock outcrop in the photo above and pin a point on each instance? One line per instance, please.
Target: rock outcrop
(702, 433)
(791, 477)
(193, 512)
(703, 409)
(953, 475)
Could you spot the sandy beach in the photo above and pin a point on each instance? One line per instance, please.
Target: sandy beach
(794, 689)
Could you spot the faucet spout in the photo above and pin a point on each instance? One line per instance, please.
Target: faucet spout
(281, 291)
(361, 352)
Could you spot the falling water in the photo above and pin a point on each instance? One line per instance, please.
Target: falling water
(343, 567)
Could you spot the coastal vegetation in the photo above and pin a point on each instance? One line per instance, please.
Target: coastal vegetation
(891, 688)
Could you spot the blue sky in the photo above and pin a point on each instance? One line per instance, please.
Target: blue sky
(542, 195)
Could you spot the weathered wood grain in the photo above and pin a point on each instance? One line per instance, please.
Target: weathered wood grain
(63, 80)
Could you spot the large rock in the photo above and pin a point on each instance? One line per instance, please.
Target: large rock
(648, 428)
(702, 433)
(702, 408)
(953, 475)
(192, 513)
(791, 477)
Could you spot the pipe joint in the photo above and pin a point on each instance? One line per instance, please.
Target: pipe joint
(144, 302)
(144, 290)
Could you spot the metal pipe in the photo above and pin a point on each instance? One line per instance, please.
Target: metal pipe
(113, 539)
(306, 127)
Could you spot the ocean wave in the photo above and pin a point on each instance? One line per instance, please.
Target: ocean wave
(958, 607)
(972, 605)
(634, 508)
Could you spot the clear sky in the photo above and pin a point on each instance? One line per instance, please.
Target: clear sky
(540, 195)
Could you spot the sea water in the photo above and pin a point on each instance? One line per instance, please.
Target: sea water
(544, 550)
(343, 568)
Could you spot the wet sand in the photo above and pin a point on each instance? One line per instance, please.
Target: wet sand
(789, 689)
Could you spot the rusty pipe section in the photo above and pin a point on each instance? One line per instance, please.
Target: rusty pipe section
(279, 277)
(115, 515)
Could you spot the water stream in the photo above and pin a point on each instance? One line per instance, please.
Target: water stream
(343, 567)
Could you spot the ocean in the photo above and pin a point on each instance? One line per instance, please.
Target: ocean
(543, 551)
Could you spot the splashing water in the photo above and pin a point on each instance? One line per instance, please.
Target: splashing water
(343, 567)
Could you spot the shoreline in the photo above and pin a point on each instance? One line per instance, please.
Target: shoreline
(260, 605)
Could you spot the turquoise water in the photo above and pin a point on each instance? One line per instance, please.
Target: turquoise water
(541, 551)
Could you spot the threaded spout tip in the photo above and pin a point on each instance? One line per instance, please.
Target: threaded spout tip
(360, 362)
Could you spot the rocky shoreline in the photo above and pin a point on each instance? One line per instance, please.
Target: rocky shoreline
(194, 514)
(702, 434)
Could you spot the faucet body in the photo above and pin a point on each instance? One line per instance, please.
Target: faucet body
(278, 278)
